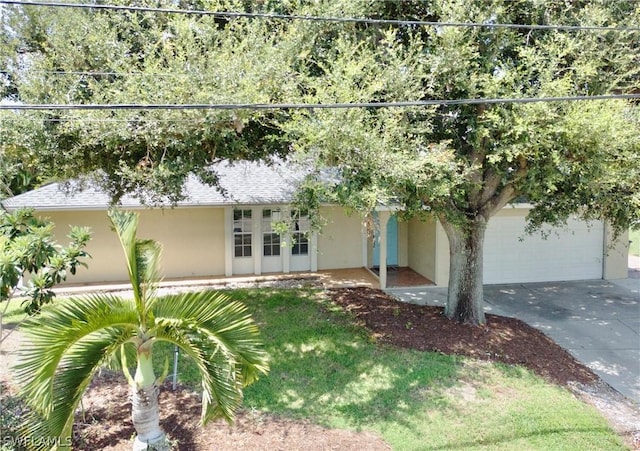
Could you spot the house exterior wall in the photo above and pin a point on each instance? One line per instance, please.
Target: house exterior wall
(107, 263)
(616, 261)
(192, 239)
(340, 240)
(193, 242)
(184, 233)
(421, 240)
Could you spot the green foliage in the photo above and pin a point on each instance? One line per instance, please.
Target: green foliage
(464, 161)
(461, 163)
(143, 58)
(27, 248)
(72, 339)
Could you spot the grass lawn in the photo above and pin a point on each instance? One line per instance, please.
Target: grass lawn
(634, 236)
(14, 313)
(326, 369)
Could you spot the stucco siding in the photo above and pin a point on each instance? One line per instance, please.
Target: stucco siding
(192, 241)
(339, 240)
(107, 262)
(616, 261)
(421, 238)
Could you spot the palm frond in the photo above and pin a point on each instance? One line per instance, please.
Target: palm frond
(223, 340)
(64, 347)
(147, 261)
(125, 224)
(142, 257)
(71, 380)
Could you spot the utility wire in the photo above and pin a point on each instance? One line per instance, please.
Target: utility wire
(396, 22)
(309, 106)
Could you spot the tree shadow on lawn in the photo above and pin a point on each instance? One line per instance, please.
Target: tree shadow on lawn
(325, 367)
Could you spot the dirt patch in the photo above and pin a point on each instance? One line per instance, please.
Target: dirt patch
(104, 422)
(105, 425)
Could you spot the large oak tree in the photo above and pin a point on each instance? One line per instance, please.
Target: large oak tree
(458, 162)
(464, 162)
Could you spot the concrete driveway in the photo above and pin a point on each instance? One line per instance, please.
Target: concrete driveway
(598, 321)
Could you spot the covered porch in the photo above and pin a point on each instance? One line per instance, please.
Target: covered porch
(337, 278)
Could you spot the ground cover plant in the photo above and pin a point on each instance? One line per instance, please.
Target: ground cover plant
(335, 383)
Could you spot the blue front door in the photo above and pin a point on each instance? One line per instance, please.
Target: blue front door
(392, 244)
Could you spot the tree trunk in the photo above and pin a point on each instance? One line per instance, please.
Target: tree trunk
(465, 299)
(144, 410)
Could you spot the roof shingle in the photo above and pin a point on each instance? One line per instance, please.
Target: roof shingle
(243, 182)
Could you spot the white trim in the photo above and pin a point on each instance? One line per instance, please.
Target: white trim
(383, 218)
(365, 245)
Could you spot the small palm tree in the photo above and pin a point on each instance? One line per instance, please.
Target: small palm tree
(71, 340)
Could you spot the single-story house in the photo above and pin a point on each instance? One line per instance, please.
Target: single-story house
(212, 234)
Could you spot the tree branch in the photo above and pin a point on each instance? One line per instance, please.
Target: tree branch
(507, 194)
(492, 181)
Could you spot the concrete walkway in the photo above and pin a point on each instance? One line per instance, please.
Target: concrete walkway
(598, 321)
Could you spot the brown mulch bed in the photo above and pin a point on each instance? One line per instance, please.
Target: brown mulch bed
(106, 425)
(425, 328)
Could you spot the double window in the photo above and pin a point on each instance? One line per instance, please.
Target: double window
(271, 240)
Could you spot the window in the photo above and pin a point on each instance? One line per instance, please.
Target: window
(300, 233)
(242, 233)
(270, 239)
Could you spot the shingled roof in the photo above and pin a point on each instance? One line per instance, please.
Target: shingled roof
(248, 183)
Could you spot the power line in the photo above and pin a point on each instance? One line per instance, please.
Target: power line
(310, 106)
(396, 22)
(100, 73)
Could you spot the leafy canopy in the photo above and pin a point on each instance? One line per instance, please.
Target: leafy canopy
(464, 162)
(67, 56)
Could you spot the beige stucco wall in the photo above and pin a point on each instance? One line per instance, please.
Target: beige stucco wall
(183, 233)
(616, 260)
(421, 240)
(339, 240)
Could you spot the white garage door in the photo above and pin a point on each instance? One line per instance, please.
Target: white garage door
(572, 253)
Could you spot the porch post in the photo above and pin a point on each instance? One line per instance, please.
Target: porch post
(365, 244)
(384, 219)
